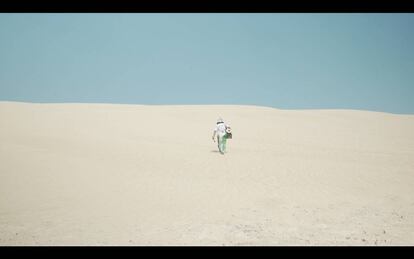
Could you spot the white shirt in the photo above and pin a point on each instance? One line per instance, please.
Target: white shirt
(220, 129)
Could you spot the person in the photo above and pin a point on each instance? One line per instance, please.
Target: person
(220, 131)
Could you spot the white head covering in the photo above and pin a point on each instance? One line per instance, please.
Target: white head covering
(219, 120)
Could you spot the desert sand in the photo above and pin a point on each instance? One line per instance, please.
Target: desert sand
(111, 174)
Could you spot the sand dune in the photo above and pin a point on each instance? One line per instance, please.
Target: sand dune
(102, 174)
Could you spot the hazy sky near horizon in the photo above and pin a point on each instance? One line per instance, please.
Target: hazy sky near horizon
(285, 60)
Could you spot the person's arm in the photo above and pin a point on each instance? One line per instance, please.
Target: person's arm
(214, 134)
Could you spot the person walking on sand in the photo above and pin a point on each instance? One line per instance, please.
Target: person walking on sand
(220, 131)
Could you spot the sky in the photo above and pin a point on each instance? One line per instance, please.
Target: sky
(283, 60)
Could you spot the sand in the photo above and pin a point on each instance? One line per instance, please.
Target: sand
(107, 174)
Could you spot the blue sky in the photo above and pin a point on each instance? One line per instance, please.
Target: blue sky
(285, 60)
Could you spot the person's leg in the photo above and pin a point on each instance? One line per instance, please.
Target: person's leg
(220, 145)
(224, 141)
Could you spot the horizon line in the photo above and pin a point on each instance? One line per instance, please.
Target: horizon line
(210, 104)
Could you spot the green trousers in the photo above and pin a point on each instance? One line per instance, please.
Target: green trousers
(222, 143)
